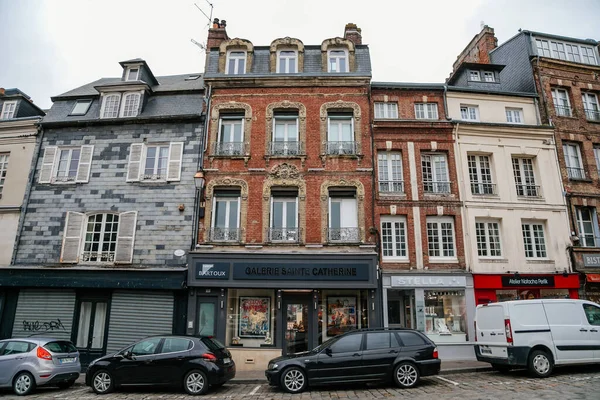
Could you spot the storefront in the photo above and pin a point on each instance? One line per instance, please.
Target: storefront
(439, 305)
(492, 288)
(591, 288)
(265, 305)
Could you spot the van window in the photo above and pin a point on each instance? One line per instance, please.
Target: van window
(592, 313)
(528, 314)
(490, 317)
(563, 313)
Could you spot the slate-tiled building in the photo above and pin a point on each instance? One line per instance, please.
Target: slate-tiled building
(100, 256)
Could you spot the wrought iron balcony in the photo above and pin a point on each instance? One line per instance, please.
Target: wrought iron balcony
(592, 115)
(529, 191)
(104, 256)
(342, 148)
(391, 187)
(436, 187)
(344, 235)
(228, 149)
(284, 235)
(563, 111)
(224, 234)
(286, 148)
(483, 188)
(575, 173)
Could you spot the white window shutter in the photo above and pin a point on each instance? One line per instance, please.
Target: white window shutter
(85, 164)
(135, 162)
(126, 237)
(175, 159)
(48, 164)
(72, 238)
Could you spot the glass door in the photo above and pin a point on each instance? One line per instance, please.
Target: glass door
(298, 314)
(206, 323)
(91, 329)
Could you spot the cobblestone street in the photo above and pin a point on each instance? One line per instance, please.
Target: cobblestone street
(565, 383)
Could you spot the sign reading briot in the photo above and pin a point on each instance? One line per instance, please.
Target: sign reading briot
(534, 280)
(428, 281)
(301, 271)
(591, 260)
(212, 270)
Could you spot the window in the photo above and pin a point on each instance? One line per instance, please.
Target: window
(347, 344)
(287, 62)
(155, 162)
(440, 238)
(66, 165)
(16, 347)
(379, 341)
(393, 238)
(488, 76)
(132, 74)
(573, 161)
(514, 115)
(488, 239)
(543, 48)
(588, 55)
(146, 347)
(480, 174)
(101, 238)
(343, 216)
(284, 215)
(285, 135)
(597, 157)
(411, 339)
(435, 173)
(533, 240)
(131, 105)
(558, 49)
(587, 223)
(173, 345)
(590, 106)
(573, 53)
(3, 168)
(445, 321)
(426, 111)
(386, 110)
(338, 61)
(113, 107)
(389, 166)
(8, 109)
(236, 63)
(231, 136)
(226, 216)
(81, 107)
(110, 106)
(560, 98)
(340, 134)
(592, 314)
(474, 76)
(469, 113)
(524, 177)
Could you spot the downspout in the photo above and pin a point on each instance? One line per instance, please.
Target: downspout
(446, 101)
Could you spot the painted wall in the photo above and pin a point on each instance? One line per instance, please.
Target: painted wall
(492, 108)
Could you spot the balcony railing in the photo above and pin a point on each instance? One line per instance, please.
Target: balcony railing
(224, 234)
(228, 148)
(436, 187)
(483, 188)
(592, 115)
(344, 235)
(529, 191)
(575, 173)
(284, 235)
(104, 256)
(286, 148)
(391, 187)
(342, 148)
(563, 111)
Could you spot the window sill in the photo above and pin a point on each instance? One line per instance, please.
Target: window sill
(285, 156)
(395, 260)
(493, 260)
(586, 180)
(531, 198)
(342, 155)
(539, 261)
(238, 156)
(491, 196)
(443, 260)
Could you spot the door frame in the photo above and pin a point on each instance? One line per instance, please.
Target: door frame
(303, 298)
(94, 297)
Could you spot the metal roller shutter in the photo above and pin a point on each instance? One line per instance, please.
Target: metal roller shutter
(135, 315)
(47, 312)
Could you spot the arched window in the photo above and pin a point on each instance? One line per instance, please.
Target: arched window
(111, 106)
(131, 105)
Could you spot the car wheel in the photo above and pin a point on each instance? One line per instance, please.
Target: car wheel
(102, 382)
(501, 368)
(406, 375)
(195, 382)
(540, 364)
(65, 385)
(293, 380)
(23, 384)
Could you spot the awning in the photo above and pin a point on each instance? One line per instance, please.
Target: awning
(592, 277)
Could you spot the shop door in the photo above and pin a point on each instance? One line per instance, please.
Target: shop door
(91, 331)
(298, 316)
(206, 322)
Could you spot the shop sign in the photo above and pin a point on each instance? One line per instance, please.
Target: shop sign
(428, 281)
(537, 281)
(212, 270)
(591, 260)
(301, 271)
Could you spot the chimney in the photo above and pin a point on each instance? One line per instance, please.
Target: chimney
(2, 91)
(478, 49)
(216, 34)
(353, 33)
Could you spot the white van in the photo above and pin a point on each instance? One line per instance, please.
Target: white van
(538, 334)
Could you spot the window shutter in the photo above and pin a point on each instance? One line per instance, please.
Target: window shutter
(125, 237)
(48, 164)
(175, 159)
(85, 164)
(135, 162)
(72, 238)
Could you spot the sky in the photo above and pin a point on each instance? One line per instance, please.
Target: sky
(48, 47)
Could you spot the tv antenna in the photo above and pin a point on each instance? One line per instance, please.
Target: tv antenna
(209, 18)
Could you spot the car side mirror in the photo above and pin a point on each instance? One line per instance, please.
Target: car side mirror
(328, 351)
(128, 355)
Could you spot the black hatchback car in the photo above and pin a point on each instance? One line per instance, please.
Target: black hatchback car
(194, 362)
(366, 355)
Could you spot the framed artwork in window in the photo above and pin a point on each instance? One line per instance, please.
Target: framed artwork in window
(254, 317)
(341, 314)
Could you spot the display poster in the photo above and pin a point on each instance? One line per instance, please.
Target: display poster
(341, 314)
(254, 317)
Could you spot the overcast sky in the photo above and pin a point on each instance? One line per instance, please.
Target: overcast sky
(48, 47)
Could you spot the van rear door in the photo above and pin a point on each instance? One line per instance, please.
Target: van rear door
(490, 330)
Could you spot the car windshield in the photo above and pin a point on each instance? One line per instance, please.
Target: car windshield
(212, 343)
(60, 347)
(325, 344)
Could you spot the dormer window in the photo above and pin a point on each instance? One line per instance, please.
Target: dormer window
(8, 109)
(287, 62)
(488, 76)
(115, 105)
(81, 107)
(474, 76)
(236, 63)
(337, 60)
(110, 107)
(132, 74)
(131, 105)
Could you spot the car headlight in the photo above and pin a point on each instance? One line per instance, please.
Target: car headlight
(273, 366)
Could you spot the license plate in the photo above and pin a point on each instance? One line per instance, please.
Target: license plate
(485, 350)
(66, 360)
(226, 360)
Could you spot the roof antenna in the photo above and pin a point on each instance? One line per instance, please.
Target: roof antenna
(209, 17)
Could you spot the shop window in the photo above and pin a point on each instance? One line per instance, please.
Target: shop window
(445, 316)
(340, 312)
(250, 318)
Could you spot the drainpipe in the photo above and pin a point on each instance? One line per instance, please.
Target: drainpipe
(446, 101)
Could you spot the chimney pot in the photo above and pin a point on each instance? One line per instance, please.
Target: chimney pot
(223, 24)
(216, 23)
(2, 91)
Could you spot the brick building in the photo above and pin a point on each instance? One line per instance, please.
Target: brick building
(286, 246)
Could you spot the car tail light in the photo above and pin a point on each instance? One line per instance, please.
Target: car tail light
(475, 327)
(209, 357)
(435, 353)
(508, 330)
(43, 353)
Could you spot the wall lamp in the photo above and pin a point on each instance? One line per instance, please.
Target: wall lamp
(199, 181)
